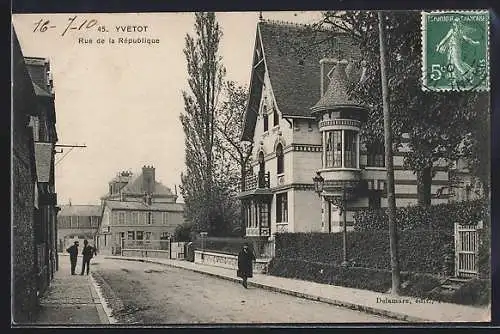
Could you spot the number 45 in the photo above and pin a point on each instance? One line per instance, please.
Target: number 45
(436, 72)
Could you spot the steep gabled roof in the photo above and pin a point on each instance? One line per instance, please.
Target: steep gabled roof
(135, 187)
(37, 69)
(291, 55)
(80, 210)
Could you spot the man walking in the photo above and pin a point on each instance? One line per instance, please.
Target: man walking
(73, 256)
(87, 252)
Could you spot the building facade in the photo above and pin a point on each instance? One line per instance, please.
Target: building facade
(77, 223)
(43, 124)
(137, 208)
(301, 121)
(34, 203)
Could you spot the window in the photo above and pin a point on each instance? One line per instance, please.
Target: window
(115, 218)
(164, 235)
(276, 119)
(264, 214)
(164, 217)
(375, 156)
(139, 235)
(135, 218)
(122, 235)
(265, 116)
(121, 218)
(249, 215)
(262, 163)
(280, 159)
(147, 236)
(334, 148)
(281, 208)
(131, 235)
(341, 149)
(152, 219)
(350, 149)
(375, 199)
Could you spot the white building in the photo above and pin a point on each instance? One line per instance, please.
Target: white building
(301, 120)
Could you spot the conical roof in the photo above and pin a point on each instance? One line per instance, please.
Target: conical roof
(336, 95)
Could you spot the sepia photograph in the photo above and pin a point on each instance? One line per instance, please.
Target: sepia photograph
(250, 168)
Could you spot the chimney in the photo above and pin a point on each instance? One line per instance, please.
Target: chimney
(327, 65)
(148, 179)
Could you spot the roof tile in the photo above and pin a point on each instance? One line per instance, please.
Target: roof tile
(292, 55)
(80, 210)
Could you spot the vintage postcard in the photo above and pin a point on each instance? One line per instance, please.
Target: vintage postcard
(246, 168)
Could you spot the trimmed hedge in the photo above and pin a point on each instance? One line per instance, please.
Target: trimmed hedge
(474, 292)
(435, 217)
(421, 251)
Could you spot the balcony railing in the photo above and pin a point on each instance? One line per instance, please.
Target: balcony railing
(255, 181)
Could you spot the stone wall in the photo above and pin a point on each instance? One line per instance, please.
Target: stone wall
(227, 261)
(24, 294)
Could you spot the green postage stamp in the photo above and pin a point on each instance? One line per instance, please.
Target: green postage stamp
(455, 50)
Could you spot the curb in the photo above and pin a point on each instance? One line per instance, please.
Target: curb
(349, 305)
(103, 310)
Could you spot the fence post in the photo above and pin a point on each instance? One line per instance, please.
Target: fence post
(122, 243)
(169, 247)
(457, 258)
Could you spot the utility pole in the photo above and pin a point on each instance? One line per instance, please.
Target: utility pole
(389, 162)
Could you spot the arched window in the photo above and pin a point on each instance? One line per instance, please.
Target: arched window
(280, 159)
(276, 119)
(262, 163)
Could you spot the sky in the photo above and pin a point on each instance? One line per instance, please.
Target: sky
(123, 101)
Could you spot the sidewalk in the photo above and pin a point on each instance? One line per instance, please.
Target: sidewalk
(402, 308)
(71, 299)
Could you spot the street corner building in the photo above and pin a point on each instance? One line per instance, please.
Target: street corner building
(301, 121)
(34, 200)
(137, 210)
(77, 223)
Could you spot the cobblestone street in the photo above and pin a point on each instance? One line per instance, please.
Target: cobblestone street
(153, 294)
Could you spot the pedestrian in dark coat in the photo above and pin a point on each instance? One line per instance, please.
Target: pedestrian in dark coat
(73, 256)
(245, 264)
(87, 252)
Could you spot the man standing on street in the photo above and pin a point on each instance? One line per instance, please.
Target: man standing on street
(87, 252)
(73, 256)
(245, 264)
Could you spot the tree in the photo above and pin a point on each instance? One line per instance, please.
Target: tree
(206, 72)
(229, 127)
(435, 122)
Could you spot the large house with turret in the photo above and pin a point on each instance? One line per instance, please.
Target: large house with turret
(302, 122)
(137, 208)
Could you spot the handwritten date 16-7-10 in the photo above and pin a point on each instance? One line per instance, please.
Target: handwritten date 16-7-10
(82, 24)
(74, 23)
